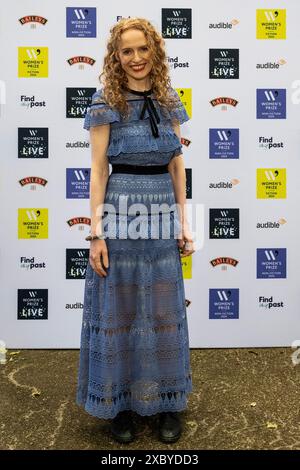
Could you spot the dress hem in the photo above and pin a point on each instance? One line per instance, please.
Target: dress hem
(161, 407)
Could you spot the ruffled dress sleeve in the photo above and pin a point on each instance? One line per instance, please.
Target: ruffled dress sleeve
(99, 112)
(178, 114)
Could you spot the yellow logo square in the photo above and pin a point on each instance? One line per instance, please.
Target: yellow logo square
(32, 223)
(186, 264)
(271, 183)
(185, 95)
(270, 24)
(33, 62)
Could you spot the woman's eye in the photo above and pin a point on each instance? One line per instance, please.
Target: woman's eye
(144, 49)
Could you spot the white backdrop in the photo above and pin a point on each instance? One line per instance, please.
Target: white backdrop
(41, 305)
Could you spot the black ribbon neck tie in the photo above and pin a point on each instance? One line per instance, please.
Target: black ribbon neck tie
(149, 105)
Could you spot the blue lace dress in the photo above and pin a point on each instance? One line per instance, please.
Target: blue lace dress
(134, 352)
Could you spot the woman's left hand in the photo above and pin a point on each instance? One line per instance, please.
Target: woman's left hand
(185, 242)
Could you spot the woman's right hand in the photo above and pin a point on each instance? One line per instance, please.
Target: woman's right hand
(99, 257)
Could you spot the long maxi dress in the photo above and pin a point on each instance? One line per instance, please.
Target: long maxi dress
(134, 352)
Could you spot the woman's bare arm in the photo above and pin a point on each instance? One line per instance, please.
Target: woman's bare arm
(99, 138)
(176, 168)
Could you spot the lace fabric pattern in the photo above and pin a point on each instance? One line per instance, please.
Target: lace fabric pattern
(134, 352)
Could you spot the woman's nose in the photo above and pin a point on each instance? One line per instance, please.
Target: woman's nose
(136, 55)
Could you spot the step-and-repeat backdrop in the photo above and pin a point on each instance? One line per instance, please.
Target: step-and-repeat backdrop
(235, 66)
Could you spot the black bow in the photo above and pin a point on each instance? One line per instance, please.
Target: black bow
(149, 105)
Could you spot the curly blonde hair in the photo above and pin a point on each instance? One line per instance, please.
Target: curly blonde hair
(114, 77)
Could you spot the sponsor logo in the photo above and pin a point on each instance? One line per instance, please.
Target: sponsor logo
(32, 19)
(223, 261)
(224, 63)
(33, 142)
(30, 102)
(271, 263)
(78, 144)
(81, 61)
(78, 183)
(271, 65)
(271, 103)
(77, 101)
(76, 263)
(33, 181)
(224, 143)
(271, 183)
(74, 306)
(224, 223)
(224, 25)
(278, 224)
(268, 143)
(270, 24)
(188, 173)
(30, 264)
(32, 223)
(32, 62)
(32, 304)
(186, 265)
(224, 102)
(223, 304)
(176, 23)
(185, 141)
(81, 22)
(268, 303)
(185, 95)
(175, 63)
(80, 221)
(224, 184)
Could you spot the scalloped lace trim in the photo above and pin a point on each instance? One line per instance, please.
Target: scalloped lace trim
(143, 403)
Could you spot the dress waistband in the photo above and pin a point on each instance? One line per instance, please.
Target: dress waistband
(139, 169)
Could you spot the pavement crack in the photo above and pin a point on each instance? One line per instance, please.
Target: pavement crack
(59, 419)
(13, 380)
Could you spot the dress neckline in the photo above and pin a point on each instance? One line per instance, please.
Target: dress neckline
(149, 106)
(139, 93)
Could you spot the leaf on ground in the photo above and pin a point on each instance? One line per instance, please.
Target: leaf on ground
(253, 352)
(271, 425)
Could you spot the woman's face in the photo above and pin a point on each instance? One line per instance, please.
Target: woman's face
(134, 54)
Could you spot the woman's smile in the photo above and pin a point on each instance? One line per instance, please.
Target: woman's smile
(138, 68)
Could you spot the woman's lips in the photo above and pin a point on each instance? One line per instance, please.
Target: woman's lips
(137, 68)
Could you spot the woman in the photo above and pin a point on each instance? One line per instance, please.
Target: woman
(134, 354)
